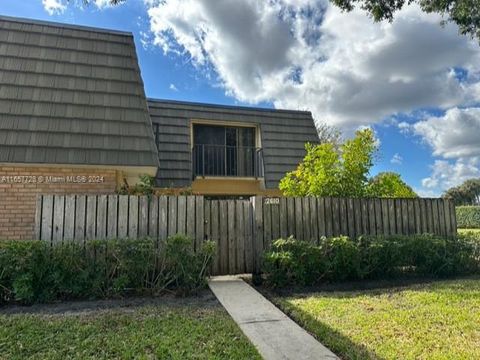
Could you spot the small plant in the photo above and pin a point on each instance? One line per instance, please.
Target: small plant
(468, 217)
(34, 271)
(296, 262)
(145, 186)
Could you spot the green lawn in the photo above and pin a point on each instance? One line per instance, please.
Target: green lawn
(186, 331)
(439, 320)
(464, 231)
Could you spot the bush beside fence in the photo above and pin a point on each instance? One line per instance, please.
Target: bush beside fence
(35, 271)
(468, 217)
(293, 262)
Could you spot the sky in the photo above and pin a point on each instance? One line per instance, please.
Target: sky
(416, 83)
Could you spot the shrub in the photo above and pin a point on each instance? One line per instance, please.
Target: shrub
(294, 262)
(468, 217)
(34, 271)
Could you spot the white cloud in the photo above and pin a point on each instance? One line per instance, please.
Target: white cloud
(173, 87)
(396, 159)
(54, 6)
(446, 174)
(454, 135)
(346, 69)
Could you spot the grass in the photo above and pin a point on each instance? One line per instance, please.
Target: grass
(466, 231)
(438, 320)
(152, 331)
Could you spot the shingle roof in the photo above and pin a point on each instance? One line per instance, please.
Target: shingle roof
(71, 95)
(283, 135)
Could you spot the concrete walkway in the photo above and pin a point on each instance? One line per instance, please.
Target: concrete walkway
(273, 333)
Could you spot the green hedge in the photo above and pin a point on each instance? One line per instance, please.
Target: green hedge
(293, 262)
(468, 217)
(34, 271)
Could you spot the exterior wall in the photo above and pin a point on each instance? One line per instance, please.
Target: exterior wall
(19, 187)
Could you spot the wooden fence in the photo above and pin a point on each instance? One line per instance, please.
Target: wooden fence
(242, 229)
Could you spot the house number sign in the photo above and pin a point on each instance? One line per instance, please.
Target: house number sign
(51, 179)
(271, 201)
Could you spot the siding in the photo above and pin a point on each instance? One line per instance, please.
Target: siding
(283, 136)
(71, 95)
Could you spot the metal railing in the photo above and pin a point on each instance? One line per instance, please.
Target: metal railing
(222, 160)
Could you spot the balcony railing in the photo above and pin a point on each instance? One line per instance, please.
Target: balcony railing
(221, 160)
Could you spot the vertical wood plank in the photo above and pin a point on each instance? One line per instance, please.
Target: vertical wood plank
(112, 221)
(199, 221)
(441, 218)
(405, 215)
(162, 218)
(133, 217)
(418, 218)
(215, 232)
(38, 218)
(411, 216)
(322, 223)
(298, 219)
(153, 217)
(365, 217)
(453, 216)
(343, 216)
(240, 237)
(378, 217)
(191, 220)
(283, 218)
(429, 206)
(91, 217)
(446, 212)
(69, 227)
(291, 216)
(351, 219)
(47, 218)
(313, 220)
(182, 215)
(223, 236)
(336, 216)
(398, 216)
(101, 231)
(257, 203)
(248, 217)
(385, 217)
(372, 224)
(392, 216)
(123, 216)
(436, 225)
(80, 217)
(231, 236)
(306, 218)
(329, 217)
(58, 218)
(172, 215)
(143, 216)
(423, 216)
(275, 221)
(357, 210)
(267, 225)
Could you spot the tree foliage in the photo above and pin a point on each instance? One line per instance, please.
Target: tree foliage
(464, 13)
(330, 171)
(467, 193)
(389, 184)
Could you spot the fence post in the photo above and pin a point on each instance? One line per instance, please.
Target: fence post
(257, 206)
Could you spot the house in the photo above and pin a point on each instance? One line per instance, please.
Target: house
(74, 118)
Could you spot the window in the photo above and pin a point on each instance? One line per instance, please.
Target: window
(225, 151)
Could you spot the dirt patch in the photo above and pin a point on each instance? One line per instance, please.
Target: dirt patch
(204, 299)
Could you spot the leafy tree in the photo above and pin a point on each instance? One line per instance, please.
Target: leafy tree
(328, 171)
(389, 184)
(464, 13)
(467, 193)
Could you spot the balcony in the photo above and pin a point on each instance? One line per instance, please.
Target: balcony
(227, 161)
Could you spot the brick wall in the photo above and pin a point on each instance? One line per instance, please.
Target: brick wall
(20, 185)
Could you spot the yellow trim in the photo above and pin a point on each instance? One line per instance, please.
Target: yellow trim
(229, 186)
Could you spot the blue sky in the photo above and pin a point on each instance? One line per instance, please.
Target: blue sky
(416, 83)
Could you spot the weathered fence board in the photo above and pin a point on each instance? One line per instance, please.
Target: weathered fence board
(242, 229)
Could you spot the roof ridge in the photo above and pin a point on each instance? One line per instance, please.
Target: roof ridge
(221, 106)
(64, 25)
